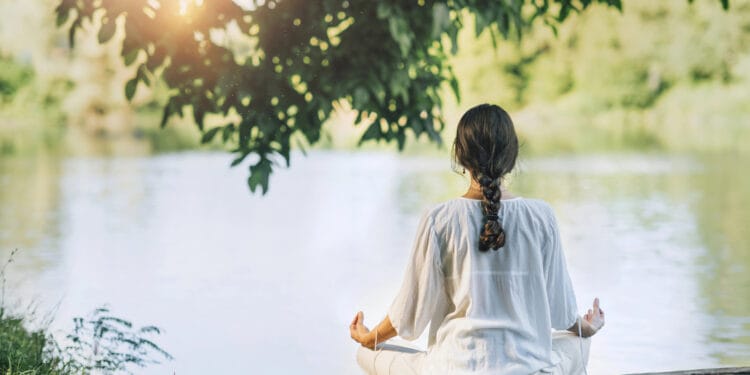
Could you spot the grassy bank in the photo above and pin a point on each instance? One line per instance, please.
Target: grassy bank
(25, 351)
(98, 343)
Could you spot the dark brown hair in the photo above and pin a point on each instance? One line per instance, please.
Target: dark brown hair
(486, 144)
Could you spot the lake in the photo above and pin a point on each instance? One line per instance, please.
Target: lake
(244, 283)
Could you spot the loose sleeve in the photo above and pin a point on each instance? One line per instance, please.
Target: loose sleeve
(560, 294)
(423, 285)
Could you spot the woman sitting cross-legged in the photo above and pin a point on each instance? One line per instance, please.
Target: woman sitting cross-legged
(488, 272)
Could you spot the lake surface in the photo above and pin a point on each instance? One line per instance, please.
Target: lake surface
(249, 284)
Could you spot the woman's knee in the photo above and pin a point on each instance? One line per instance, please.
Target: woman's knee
(365, 359)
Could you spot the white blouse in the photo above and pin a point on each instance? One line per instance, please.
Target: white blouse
(491, 312)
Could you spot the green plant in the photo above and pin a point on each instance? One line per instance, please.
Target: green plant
(104, 342)
(24, 351)
(12, 77)
(99, 343)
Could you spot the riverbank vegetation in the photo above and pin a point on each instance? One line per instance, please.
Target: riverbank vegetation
(668, 76)
(99, 343)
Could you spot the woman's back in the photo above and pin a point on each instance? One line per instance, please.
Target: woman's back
(488, 274)
(494, 310)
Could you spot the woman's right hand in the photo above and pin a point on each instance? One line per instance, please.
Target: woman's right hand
(595, 316)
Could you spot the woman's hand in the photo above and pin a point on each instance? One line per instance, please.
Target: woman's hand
(591, 323)
(595, 316)
(359, 332)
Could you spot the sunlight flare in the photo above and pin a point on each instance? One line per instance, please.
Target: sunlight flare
(185, 6)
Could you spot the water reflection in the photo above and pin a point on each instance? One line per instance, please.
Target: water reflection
(723, 215)
(247, 284)
(630, 237)
(30, 216)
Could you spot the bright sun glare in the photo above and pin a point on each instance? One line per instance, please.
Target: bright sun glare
(186, 5)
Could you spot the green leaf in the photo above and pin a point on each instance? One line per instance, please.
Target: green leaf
(210, 134)
(453, 35)
(454, 87)
(553, 27)
(72, 32)
(493, 38)
(166, 113)
(400, 33)
(130, 57)
(142, 74)
(62, 16)
(301, 146)
(239, 159)
(479, 24)
(130, 88)
(398, 86)
(199, 113)
(360, 97)
(503, 25)
(401, 139)
(226, 134)
(429, 125)
(372, 132)
(259, 174)
(107, 31)
(383, 10)
(246, 126)
(285, 152)
(441, 19)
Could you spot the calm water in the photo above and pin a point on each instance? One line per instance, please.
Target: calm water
(249, 284)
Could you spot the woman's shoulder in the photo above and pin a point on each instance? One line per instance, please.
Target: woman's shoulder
(444, 212)
(460, 206)
(538, 204)
(536, 209)
(462, 202)
(451, 206)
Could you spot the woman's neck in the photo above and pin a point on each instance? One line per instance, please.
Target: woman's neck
(475, 192)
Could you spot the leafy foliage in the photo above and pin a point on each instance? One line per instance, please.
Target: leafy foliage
(640, 79)
(281, 65)
(100, 343)
(22, 350)
(110, 344)
(12, 77)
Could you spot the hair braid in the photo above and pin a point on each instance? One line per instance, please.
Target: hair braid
(486, 144)
(493, 234)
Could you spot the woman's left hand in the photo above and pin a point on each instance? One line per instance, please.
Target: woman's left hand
(359, 332)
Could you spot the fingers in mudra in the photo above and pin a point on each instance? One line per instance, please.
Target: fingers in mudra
(595, 316)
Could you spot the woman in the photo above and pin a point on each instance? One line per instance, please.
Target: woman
(487, 270)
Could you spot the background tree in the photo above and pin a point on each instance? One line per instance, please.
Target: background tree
(274, 69)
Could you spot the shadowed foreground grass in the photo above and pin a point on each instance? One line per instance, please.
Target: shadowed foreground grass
(99, 343)
(22, 350)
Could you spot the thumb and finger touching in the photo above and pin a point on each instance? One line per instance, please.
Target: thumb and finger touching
(595, 315)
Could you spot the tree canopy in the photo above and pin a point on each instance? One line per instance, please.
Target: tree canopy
(280, 65)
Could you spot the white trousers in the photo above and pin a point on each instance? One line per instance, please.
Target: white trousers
(400, 360)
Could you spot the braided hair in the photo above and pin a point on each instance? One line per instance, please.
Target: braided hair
(486, 144)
